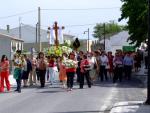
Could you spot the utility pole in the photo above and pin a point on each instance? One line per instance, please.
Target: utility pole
(8, 28)
(36, 35)
(20, 35)
(104, 35)
(88, 39)
(148, 81)
(39, 28)
(88, 46)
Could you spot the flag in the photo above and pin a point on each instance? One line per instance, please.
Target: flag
(52, 37)
(19, 46)
(16, 46)
(60, 35)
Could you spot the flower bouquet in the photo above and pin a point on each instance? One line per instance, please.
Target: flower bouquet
(57, 51)
(70, 63)
(66, 49)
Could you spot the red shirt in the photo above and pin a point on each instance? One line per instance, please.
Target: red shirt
(51, 63)
(4, 66)
(71, 70)
(84, 63)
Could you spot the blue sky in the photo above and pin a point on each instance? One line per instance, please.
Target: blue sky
(66, 18)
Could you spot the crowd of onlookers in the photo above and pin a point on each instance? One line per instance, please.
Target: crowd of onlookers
(31, 70)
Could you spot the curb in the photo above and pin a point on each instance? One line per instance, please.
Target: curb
(142, 77)
(126, 107)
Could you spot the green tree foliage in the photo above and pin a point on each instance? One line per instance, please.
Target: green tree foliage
(136, 13)
(110, 29)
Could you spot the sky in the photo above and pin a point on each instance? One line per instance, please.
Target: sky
(74, 21)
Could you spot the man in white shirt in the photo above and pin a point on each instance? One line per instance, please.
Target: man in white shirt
(103, 63)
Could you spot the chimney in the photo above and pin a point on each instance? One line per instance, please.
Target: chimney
(8, 28)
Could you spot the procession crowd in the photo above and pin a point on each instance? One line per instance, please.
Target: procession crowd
(95, 65)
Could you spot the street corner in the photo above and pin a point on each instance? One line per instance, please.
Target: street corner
(126, 107)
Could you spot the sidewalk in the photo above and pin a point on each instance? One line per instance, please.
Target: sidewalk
(141, 75)
(133, 106)
(130, 107)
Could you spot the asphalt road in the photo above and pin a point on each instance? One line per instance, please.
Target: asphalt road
(53, 99)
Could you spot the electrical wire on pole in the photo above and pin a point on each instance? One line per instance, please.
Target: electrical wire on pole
(39, 29)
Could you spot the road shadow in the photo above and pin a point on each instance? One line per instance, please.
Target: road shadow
(60, 91)
(133, 83)
(94, 111)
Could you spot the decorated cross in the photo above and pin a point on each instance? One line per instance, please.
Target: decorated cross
(55, 28)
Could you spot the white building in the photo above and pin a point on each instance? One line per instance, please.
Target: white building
(117, 41)
(9, 44)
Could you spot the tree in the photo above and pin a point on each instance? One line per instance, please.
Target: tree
(110, 29)
(136, 11)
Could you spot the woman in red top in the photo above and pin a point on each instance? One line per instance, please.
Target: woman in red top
(4, 73)
(51, 66)
(110, 63)
(85, 68)
(70, 73)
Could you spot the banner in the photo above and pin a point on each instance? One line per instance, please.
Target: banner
(60, 35)
(52, 37)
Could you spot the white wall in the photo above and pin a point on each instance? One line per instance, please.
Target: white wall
(5, 47)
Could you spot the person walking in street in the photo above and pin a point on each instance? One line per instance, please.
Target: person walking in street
(146, 59)
(118, 67)
(128, 63)
(78, 71)
(24, 72)
(4, 73)
(137, 61)
(51, 66)
(42, 68)
(85, 68)
(17, 63)
(70, 71)
(37, 70)
(103, 63)
(110, 63)
(62, 72)
(32, 76)
(97, 65)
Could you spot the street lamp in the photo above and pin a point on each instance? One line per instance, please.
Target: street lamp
(88, 38)
(48, 36)
(104, 35)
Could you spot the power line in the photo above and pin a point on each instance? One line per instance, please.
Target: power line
(31, 11)
(23, 13)
(77, 25)
(106, 8)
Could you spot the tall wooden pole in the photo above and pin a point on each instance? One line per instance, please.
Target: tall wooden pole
(56, 33)
(148, 81)
(39, 28)
(104, 36)
(20, 27)
(88, 39)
